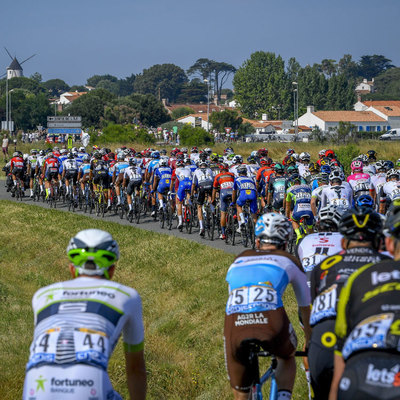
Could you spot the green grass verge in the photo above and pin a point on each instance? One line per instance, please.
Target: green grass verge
(182, 285)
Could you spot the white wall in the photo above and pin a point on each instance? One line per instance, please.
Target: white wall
(311, 120)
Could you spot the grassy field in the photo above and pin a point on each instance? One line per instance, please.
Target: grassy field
(182, 285)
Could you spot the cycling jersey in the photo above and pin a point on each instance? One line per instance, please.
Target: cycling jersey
(303, 169)
(337, 195)
(314, 248)
(224, 182)
(183, 182)
(17, 163)
(390, 190)
(357, 178)
(70, 166)
(84, 168)
(276, 187)
(133, 173)
(234, 168)
(377, 180)
(61, 159)
(300, 196)
(152, 165)
(246, 188)
(51, 166)
(120, 167)
(164, 175)
(77, 325)
(32, 160)
(203, 178)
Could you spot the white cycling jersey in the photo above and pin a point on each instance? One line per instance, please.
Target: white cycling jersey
(337, 195)
(70, 165)
(303, 169)
(377, 180)
(77, 325)
(391, 190)
(234, 168)
(133, 173)
(203, 177)
(182, 173)
(314, 248)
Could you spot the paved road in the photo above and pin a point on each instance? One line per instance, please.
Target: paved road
(147, 224)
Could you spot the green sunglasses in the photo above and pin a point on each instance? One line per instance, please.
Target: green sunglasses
(102, 258)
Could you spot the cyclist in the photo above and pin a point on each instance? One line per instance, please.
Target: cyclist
(322, 182)
(132, 181)
(223, 183)
(361, 230)
(304, 159)
(244, 189)
(83, 172)
(315, 247)
(336, 194)
(119, 168)
(162, 180)
(17, 168)
(367, 327)
(101, 176)
(390, 190)
(70, 173)
(378, 179)
(300, 195)
(50, 171)
(276, 188)
(358, 176)
(257, 280)
(202, 183)
(32, 161)
(78, 323)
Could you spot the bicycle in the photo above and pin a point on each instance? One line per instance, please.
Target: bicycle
(19, 193)
(100, 200)
(209, 219)
(123, 206)
(53, 195)
(36, 189)
(248, 234)
(166, 213)
(187, 212)
(231, 225)
(251, 351)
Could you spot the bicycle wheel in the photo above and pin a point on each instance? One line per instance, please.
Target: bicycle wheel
(138, 208)
(244, 233)
(162, 218)
(251, 233)
(170, 216)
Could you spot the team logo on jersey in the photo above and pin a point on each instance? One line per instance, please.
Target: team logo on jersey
(383, 377)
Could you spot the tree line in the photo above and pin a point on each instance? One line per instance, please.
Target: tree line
(262, 84)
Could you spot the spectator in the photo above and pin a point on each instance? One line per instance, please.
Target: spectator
(5, 147)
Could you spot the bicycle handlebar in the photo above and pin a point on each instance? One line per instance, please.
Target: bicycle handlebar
(298, 353)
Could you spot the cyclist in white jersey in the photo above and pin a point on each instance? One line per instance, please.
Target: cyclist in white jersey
(336, 194)
(315, 247)
(78, 323)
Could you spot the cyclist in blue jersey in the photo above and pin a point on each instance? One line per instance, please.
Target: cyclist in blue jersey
(149, 176)
(257, 280)
(244, 189)
(182, 182)
(84, 171)
(162, 180)
(119, 168)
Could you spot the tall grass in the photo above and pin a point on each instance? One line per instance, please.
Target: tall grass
(182, 285)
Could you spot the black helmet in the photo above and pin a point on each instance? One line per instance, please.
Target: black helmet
(392, 224)
(242, 170)
(361, 224)
(70, 156)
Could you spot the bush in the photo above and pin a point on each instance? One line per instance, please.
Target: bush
(190, 136)
(115, 133)
(345, 155)
(181, 112)
(169, 125)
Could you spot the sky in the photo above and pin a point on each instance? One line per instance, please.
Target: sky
(76, 39)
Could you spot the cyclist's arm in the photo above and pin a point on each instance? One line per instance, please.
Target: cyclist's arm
(288, 204)
(314, 205)
(337, 374)
(136, 375)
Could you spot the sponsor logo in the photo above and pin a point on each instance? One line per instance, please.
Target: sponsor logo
(387, 287)
(68, 385)
(40, 383)
(88, 293)
(345, 384)
(377, 278)
(250, 319)
(383, 377)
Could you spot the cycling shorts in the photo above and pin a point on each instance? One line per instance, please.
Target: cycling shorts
(132, 185)
(51, 175)
(32, 173)
(225, 198)
(102, 178)
(252, 197)
(183, 186)
(163, 187)
(320, 357)
(18, 172)
(71, 175)
(298, 215)
(201, 196)
(369, 375)
(80, 381)
(272, 328)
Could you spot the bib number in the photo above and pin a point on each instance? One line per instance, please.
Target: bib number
(324, 305)
(253, 298)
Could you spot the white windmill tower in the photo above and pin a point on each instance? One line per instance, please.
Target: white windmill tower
(14, 70)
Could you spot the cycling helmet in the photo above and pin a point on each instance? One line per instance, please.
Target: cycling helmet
(163, 152)
(74, 149)
(238, 159)
(380, 165)
(86, 157)
(289, 152)
(357, 165)
(304, 156)
(313, 168)
(231, 156)
(42, 152)
(163, 163)
(223, 167)
(50, 154)
(364, 200)
(228, 151)
(187, 161)
(330, 154)
(132, 162)
(254, 154)
(392, 172)
(70, 156)
(321, 153)
(323, 177)
(262, 152)
(184, 150)
(279, 168)
(371, 154)
(103, 151)
(329, 217)
(16, 154)
(295, 178)
(194, 149)
(214, 157)
(251, 160)
(62, 151)
(33, 151)
(291, 161)
(208, 151)
(273, 228)
(93, 252)
(392, 223)
(398, 163)
(361, 224)
(292, 169)
(203, 164)
(326, 169)
(389, 164)
(155, 154)
(242, 170)
(56, 148)
(364, 158)
(82, 149)
(180, 163)
(335, 176)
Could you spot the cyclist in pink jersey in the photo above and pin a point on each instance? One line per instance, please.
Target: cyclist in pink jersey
(358, 176)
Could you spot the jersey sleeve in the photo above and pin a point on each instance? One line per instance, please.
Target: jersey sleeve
(299, 282)
(133, 331)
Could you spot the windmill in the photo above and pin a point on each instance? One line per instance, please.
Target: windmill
(14, 70)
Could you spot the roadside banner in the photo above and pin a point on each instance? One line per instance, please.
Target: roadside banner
(70, 142)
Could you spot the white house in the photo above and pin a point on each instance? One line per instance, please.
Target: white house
(69, 97)
(365, 86)
(387, 109)
(325, 120)
(199, 119)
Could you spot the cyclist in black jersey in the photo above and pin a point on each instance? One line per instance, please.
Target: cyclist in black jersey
(361, 230)
(367, 358)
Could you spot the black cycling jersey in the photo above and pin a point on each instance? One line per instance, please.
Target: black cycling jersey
(330, 275)
(369, 310)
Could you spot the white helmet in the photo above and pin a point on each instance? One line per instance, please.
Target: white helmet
(305, 156)
(329, 217)
(93, 252)
(163, 162)
(82, 149)
(273, 228)
(336, 174)
(238, 159)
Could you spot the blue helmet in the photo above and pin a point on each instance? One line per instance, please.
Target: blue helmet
(326, 169)
(364, 200)
(155, 154)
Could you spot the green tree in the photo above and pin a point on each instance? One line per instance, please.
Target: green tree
(194, 91)
(293, 70)
(36, 77)
(260, 83)
(371, 66)
(246, 129)
(22, 83)
(225, 119)
(126, 85)
(341, 94)
(78, 88)
(150, 111)
(348, 67)
(387, 86)
(162, 81)
(55, 87)
(217, 72)
(112, 87)
(329, 67)
(190, 136)
(95, 79)
(312, 86)
(181, 112)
